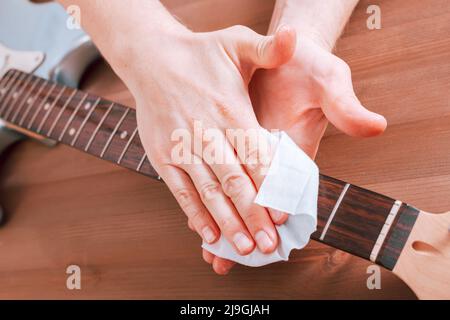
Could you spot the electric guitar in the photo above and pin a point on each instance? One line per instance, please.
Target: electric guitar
(413, 244)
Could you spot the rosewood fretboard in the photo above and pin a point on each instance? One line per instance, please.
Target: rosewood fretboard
(350, 218)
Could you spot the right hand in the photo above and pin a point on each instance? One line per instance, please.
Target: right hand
(183, 76)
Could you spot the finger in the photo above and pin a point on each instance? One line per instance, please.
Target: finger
(344, 110)
(278, 217)
(222, 266)
(190, 225)
(207, 256)
(220, 207)
(267, 51)
(255, 153)
(237, 185)
(187, 197)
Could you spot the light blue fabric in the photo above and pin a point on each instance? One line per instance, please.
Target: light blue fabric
(38, 27)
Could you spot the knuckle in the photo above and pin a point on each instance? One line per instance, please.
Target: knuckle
(197, 217)
(233, 185)
(209, 191)
(252, 161)
(253, 218)
(228, 226)
(184, 197)
(238, 28)
(340, 68)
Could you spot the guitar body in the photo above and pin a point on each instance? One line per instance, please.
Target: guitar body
(131, 240)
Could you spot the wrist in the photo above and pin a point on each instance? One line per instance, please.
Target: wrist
(130, 41)
(318, 21)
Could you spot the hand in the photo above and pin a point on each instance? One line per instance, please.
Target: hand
(300, 97)
(191, 76)
(314, 87)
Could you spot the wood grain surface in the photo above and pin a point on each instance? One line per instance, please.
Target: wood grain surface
(131, 240)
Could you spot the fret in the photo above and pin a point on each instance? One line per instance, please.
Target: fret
(333, 212)
(75, 112)
(25, 100)
(98, 127)
(50, 108)
(120, 139)
(38, 110)
(147, 169)
(92, 108)
(108, 142)
(8, 85)
(12, 93)
(141, 162)
(4, 82)
(366, 213)
(58, 117)
(359, 221)
(397, 236)
(19, 95)
(30, 106)
(384, 231)
(127, 146)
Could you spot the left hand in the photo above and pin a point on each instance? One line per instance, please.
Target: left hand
(300, 97)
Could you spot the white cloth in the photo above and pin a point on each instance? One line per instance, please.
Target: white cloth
(291, 186)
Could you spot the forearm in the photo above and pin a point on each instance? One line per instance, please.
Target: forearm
(115, 25)
(323, 21)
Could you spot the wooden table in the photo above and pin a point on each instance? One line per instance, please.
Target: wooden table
(131, 240)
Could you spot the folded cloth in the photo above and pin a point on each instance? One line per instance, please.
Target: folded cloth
(291, 186)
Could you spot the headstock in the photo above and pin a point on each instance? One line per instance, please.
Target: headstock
(424, 263)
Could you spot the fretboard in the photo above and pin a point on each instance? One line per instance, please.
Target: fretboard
(350, 218)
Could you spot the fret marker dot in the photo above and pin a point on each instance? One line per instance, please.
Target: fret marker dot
(123, 135)
(30, 100)
(15, 95)
(47, 106)
(72, 132)
(87, 106)
(3, 92)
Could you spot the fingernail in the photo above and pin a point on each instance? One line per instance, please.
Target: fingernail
(208, 234)
(242, 242)
(276, 215)
(263, 240)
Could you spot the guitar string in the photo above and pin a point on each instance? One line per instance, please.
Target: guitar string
(125, 149)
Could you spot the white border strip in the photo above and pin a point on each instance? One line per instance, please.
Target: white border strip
(333, 212)
(384, 231)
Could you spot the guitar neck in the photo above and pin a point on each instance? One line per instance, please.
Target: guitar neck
(359, 221)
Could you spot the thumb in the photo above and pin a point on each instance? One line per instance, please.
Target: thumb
(268, 51)
(348, 115)
(343, 109)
